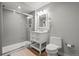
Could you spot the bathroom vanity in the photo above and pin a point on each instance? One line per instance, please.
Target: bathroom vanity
(39, 40)
(39, 37)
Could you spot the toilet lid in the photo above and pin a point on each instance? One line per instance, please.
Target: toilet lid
(51, 47)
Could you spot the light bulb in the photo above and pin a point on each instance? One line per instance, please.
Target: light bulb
(19, 7)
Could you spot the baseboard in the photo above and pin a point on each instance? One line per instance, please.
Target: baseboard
(14, 46)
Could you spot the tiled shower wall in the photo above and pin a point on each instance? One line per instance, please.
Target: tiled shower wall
(15, 29)
(0, 29)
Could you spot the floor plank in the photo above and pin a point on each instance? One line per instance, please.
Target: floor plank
(28, 52)
(37, 53)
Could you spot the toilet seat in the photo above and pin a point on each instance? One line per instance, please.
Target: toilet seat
(52, 48)
(55, 43)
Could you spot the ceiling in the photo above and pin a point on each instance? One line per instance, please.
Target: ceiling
(26, 7)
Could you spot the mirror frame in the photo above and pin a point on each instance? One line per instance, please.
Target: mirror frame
(44, 28)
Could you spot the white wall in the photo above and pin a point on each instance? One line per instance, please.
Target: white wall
(65, 23)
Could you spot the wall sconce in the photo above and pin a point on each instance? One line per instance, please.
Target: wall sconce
(42, 12)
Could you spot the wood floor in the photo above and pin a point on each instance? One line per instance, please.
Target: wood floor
(43, 53)
(28, 52)
(23, 52)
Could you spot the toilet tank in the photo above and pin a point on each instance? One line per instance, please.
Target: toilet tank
(56, 40)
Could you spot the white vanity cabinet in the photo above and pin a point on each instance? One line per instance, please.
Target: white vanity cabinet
(39, 40)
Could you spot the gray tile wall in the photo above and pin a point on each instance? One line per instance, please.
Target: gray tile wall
(15, 29)
(0, 29)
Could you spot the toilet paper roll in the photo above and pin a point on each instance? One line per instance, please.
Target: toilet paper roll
(69, 45)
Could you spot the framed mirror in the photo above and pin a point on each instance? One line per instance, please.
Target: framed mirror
(42, 21)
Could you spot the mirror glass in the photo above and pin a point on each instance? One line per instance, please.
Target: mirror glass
(42, 20)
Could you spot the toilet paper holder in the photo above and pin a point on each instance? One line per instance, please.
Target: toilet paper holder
(69, 45)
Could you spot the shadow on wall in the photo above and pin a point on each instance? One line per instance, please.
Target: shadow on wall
(61, 51)
(67, 51)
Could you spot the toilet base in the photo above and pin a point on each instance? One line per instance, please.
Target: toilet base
(52, 54)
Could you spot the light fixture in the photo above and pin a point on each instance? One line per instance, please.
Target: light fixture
(19, 7)
(42, 12)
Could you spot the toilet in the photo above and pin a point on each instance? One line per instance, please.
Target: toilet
(55, 43)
